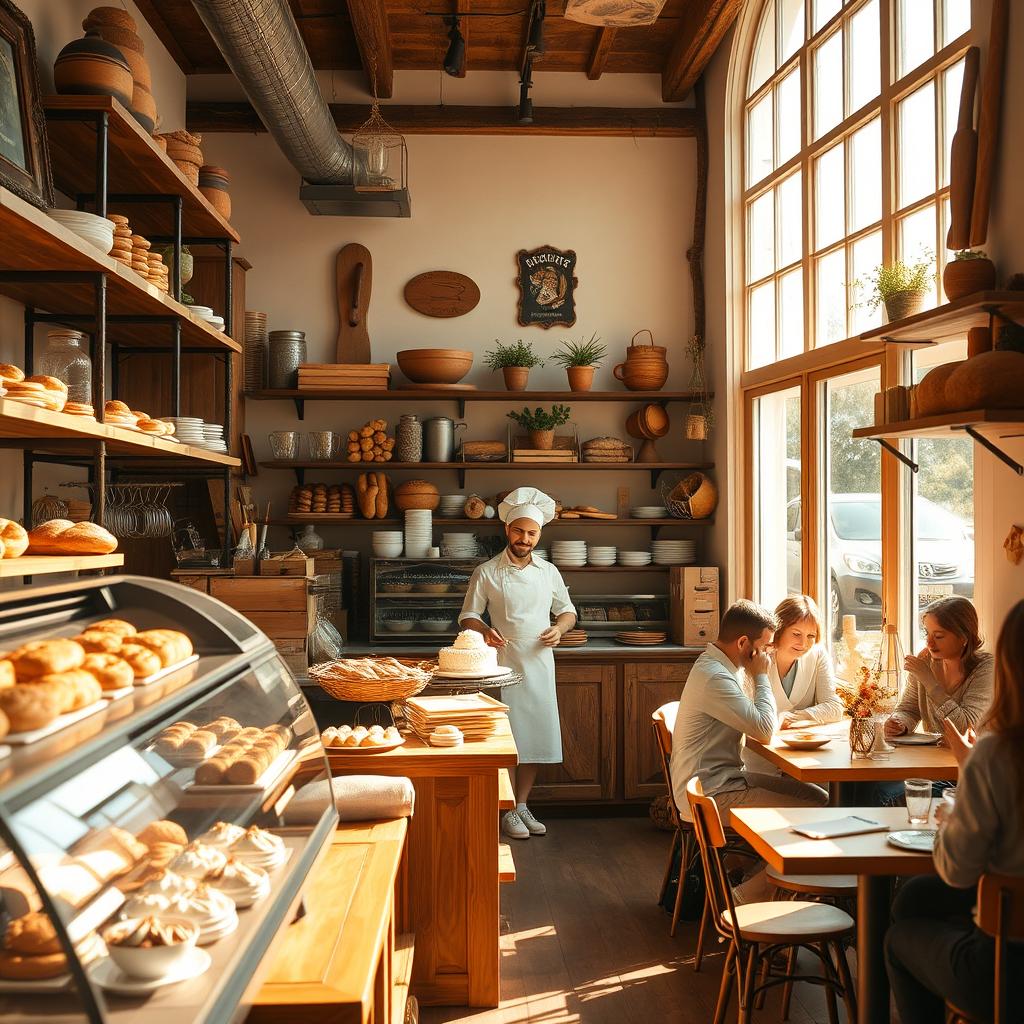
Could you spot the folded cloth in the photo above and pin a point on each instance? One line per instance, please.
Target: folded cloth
(357, 797)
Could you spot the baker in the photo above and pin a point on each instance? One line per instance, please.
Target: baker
(519, 594)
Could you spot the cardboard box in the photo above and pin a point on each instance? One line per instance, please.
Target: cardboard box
(694, 604)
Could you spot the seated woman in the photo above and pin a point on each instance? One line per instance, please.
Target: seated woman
(951, 678)
(933, 950)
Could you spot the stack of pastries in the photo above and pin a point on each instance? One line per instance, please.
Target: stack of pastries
(31, 950)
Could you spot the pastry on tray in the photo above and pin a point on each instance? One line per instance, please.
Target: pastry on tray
(63, 537)
(346, 736)
(31, 950)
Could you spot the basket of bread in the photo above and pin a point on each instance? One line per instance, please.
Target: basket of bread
(371, 679)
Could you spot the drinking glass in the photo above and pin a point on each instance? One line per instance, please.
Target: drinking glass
(947, 804)
(285, 444)
(919, 800)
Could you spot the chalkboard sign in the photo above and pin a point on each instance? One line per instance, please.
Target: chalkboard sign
(547, 287)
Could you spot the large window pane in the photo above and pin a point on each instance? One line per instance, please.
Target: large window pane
(761, 245)
(777, 527)
(916, 156)
(791, 314)
(865, 206)
(760, 135)
(865, 54)
(951, 82)
(831, 298)
(828, 84)
(787, 100)
(916, 34)
(790, 219)
(761, 324)
(762, 62)
(851, 495)
(866, 255)
(791, 28)
(957, 19)
(824, 10)
(943, 505)
(829, 190)
(916, 234)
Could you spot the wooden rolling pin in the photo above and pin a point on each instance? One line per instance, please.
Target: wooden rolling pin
(988, 119)
(963, 156)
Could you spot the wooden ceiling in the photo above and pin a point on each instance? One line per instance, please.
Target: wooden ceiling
(401, 35)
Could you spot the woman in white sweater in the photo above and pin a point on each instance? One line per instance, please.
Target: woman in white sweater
(934, 951)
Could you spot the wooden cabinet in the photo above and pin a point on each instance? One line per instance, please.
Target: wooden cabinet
(645, 687)
(588, 711)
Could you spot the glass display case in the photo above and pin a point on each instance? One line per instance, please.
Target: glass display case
(200, 797)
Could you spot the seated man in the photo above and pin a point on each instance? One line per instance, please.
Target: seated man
(715, 714)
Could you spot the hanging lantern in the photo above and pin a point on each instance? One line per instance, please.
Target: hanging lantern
(380, 160)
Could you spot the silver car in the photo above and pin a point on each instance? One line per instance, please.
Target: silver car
(944, 550)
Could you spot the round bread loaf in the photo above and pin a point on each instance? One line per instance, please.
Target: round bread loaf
(110, 671)
(117, 626)
(30, 706)
(14, 537)
(83, 688)
(163, 831)
(42, 657)
(96, 641)
(143, 661)
(32, 934)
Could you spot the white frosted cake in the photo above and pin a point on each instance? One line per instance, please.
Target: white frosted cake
(469, 654)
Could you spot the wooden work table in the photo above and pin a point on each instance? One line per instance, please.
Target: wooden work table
(454, 861)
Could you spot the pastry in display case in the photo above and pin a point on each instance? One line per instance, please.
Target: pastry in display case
(155, 848)
(608, 614)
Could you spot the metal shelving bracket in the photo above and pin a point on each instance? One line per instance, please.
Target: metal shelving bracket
(994, 449)
(893, 450)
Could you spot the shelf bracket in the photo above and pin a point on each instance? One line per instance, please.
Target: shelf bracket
(300, 407)
(300, 475)
(893, 450)
(462, 408)
(995, 450)
(462, 478)
(655, 475)
(995, 313)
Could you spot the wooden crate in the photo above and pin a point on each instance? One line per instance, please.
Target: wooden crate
(281, 606)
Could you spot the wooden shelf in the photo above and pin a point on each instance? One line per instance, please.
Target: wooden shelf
(33, 241)
(487, 467)
(73, 435)
(39, 565)
(952, 320)
(506, 863)
(135, 165)
(443, 394)
(997, 422)
(336, 520)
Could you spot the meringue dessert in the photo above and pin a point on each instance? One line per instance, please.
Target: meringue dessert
(246, 884)
(211, 910)
(259, 848)
(222, 835)
(198, 861)
(167, 883)
(147, 932)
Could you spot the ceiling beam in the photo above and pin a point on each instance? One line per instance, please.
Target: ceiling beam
(373, 39)
(656, 122)
(604, 40)
(702, 26)
(150, 10)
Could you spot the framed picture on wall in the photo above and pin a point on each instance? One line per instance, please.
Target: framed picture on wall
(547, 287)
(24, 156)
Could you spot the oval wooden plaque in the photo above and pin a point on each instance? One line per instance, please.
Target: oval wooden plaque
(442, 293)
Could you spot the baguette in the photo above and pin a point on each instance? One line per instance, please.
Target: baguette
(63, 537)
(368, 495)
(382, 495)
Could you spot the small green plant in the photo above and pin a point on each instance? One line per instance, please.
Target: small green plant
(969, 254)
(519, 354)
(581, 353)
(538, 419)
(885, 281)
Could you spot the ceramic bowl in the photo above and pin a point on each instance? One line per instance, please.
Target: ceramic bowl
(153, 962)
(434, 625)
(387, 550)
(435, 365)
(399, 625)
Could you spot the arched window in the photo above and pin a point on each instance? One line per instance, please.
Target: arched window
(849, 112)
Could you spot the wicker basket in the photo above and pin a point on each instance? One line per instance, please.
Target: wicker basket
(372, 690)
(695, 496)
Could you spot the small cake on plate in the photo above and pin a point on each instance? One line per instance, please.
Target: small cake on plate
(469, 654)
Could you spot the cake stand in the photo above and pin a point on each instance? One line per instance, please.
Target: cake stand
(447, 684)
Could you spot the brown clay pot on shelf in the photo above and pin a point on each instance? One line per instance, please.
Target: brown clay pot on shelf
(93, 67)
(900, 305)
(542, 440)
(965, 277)
(931, 390)
(645, 368)
(516, 377)
(991, 380)
(581, 378)
(433, 365)
(144, 107)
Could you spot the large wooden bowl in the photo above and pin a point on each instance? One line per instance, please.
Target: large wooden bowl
(435, 365)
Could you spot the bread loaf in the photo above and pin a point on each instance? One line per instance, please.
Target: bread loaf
(14, 537)
(63, 537)
(382, 496)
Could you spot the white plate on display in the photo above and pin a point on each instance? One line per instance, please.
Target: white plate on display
(500, 674)
(117, 694)
(916, 739)
(165, 672)
(21, 739)
(917, 840)
(112, 979)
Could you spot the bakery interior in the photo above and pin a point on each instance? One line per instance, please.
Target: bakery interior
(293, 294)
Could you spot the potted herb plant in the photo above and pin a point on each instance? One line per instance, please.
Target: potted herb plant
(514, 361)
(900, 287)
(580, 359)
(540, 425)
(969, 271)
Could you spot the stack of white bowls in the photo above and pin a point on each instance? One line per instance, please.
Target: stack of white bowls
(452, 506)
(213, 437)
(648, 512)
(570, 553)
(188, 430)
(206, 313)
(601, 555)
(634, 558)
(458, 545)
(387, 543)
(419, 531)
(97, 231)
(674, 552)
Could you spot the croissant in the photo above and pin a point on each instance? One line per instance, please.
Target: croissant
(63, 537)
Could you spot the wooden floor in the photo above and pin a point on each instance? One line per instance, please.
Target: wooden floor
(584, 940)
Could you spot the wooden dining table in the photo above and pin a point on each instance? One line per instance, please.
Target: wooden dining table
(875, 862)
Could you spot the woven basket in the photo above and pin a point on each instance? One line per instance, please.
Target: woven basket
(371, 690)
(694, 497)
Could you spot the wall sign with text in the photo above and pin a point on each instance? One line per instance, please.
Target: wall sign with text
(547, 287)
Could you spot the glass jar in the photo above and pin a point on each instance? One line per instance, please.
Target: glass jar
(409, 439)
(309, 540)
(66, 360)
(325, 640)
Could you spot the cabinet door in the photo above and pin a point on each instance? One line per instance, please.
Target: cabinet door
(645, 688)
(586, 708)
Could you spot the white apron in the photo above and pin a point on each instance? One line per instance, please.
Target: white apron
(520, 612)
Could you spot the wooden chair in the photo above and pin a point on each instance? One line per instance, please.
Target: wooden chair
(756, 932)
(1001, 915)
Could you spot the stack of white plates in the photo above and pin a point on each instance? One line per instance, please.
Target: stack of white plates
(634, 558)
(451, 506)
(541, 553)
(601, 555)
(188, 430)
(648, 512)
(97, 231)
(419, 530)
(213, 437)
(458, 545)
(387, 543)
(569, 552)
(674, 552)
(206, 313)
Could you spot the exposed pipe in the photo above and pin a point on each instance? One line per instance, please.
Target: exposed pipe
(264, 50)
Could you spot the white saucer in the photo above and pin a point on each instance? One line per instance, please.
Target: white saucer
(815, 744)
(111, 978)
(918, 840)
(916, 739)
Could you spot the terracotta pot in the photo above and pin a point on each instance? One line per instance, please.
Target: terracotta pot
(633, 425)
(516, 377)
(931, 390)
(543, 440)
(992, 380)
(645, 368)
(435, 365)
(144, 107)
(979, 339)
(900, 305)
(581, 378)
(965, 277)
(93, 67)
(218, 199)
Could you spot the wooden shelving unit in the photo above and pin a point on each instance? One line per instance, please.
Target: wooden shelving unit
(39, 565)
(339, 520)
(952, 320)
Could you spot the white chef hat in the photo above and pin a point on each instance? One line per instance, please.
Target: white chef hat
(527, 503)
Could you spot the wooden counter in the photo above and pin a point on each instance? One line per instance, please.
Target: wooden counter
(343, 962)
(451, 903)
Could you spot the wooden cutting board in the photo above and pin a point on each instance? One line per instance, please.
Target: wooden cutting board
(963, 156)
(988, 119)
(442, 293)
(354, 278)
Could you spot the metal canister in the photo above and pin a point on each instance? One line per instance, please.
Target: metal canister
(287, 352)
(439, 439)
(409, 439)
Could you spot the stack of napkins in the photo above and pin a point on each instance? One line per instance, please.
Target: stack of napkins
(475, 714)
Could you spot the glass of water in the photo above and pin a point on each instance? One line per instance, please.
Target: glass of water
(919, 800)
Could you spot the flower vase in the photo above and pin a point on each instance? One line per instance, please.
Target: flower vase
(862, 735)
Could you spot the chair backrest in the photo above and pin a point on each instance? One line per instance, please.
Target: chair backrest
(707, 826)
(662, 722)
(1001, 915)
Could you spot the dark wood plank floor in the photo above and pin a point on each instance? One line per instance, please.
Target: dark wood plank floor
(585, 942)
